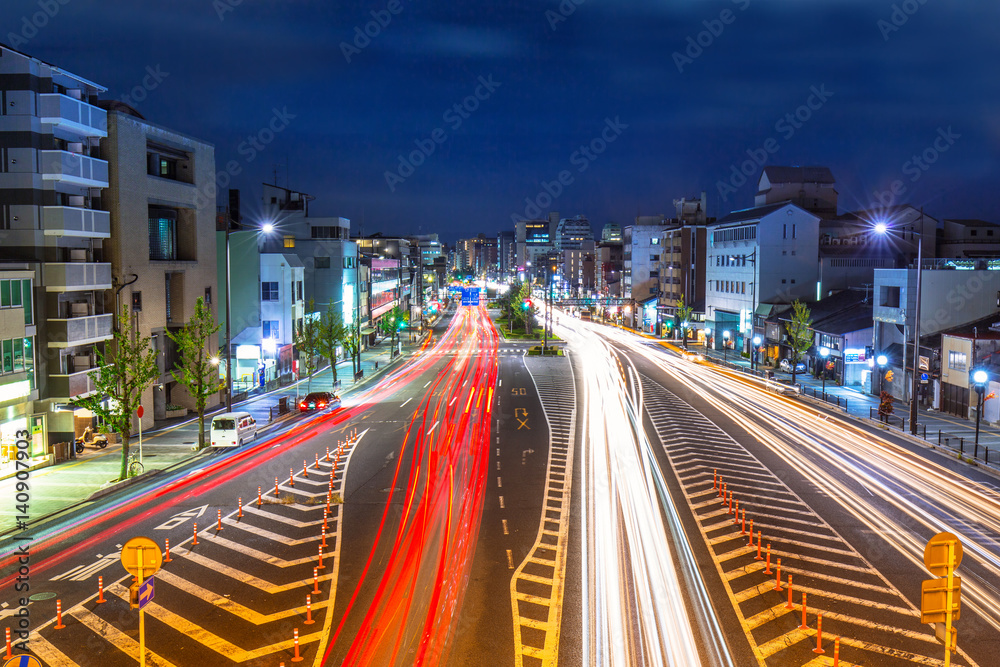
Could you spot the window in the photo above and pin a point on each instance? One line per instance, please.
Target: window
(26, 300)
(8, 356)
(326, 232)
(289, 241)
(956, 360)
(654, 258)
(655, 241)
(321, 262)
(268, 292)
(208, 296)
(989, 232)
(793, 231)
(783, 281)
(889, 297)
(784, 231)
(299, 291)
(18, 354)
(270, 329)
(137, 302)
(162, 235)
(167, 168)
(972, 232)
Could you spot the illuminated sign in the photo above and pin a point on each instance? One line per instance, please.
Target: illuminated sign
(854, 355)
(14, 390)
(247, 352)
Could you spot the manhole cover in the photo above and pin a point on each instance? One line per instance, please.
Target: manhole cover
(41, 596)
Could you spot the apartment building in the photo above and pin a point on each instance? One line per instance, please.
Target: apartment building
(51, 178)
(162, 205)
(756, 258)
(641, 250)
(18, 385)
(282, 313)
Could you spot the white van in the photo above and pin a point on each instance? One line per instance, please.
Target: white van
(232, 429)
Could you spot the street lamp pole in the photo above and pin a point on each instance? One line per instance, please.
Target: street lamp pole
(725, 345)
(229, 330)
(754, 362)
(979, 378)
(916, 338)
(824, 352)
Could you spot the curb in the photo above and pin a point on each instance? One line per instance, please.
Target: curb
(48, 462)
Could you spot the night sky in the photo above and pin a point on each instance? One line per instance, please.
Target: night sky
(885, 80)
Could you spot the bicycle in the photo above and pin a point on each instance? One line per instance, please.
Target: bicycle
(134, 468)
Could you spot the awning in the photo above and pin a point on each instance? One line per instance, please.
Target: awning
(367, 331)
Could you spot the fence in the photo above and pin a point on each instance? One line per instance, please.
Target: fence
(839, 401)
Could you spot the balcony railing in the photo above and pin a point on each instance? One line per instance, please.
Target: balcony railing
(74, 115)
(75, 276)
(72, 221)
(75, 169)
(71, 385)
(79, 330)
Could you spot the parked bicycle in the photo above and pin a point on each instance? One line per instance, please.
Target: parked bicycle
(135, 468)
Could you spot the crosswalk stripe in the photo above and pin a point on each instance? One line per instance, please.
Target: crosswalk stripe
(272, 516)
(241, 576)
(274, 537)
(116, 637)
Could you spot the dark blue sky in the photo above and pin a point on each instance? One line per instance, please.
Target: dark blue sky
(230, 63)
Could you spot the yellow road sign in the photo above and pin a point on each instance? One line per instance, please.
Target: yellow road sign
(934, 600)
(936, 554)
(141, 553)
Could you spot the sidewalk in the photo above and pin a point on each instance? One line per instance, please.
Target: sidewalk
(58, 487)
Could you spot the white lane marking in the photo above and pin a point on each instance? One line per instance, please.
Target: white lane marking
(505, 526)
(452, 401)
(406, 401)
(433, 427)
(501, 502)
(499, 483)
(510, 560)
(428, 384)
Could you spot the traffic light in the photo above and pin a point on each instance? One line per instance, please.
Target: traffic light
(526, 304)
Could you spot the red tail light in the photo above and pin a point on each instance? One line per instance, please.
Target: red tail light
(322, 405)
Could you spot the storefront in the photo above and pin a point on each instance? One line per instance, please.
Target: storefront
(26, 428)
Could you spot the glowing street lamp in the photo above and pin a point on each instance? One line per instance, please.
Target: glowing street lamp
(824, 352)
(979, 378)
(881, 361)
(725, 345)
(756, 347)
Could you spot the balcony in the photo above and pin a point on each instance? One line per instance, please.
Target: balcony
(76, 276)
(74, 169)
(73, 115)
(71, 385)
(79, 330)
(72, 221)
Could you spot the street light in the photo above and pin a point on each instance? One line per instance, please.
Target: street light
(266, 228)
(725, 345)
(881, 360)
(684, 333)
(756, 348)
(706, 332)
(883, 229)
(824, 352)
(979, 378)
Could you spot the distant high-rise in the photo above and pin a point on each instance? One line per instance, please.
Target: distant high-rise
(611, 233)
(572, 233)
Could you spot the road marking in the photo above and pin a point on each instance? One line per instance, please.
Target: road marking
(553, 386)
(84, 572)
(433, 427)
(510, 560)
(499, 483)
(501, 502)
(406, 401)
(745, 584)
(428, 384)
(452, 401)
(504, 526)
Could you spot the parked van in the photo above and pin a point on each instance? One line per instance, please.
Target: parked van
(233, 429)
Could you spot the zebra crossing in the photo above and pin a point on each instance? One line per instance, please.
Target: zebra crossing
(228, 581)
(536, 587)
(825, 573)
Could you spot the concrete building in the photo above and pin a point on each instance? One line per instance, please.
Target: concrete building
(641, 251)
(282, 313)
(969, 240)
(18, 383)
(532, 239)
(163, 232)
(573, 233)
(757, 258)
(387, 259)
(246, 353)
(812, 189)
(477, 257)
(51, 180)
(682, 262)
(949, 298)
(611, 232)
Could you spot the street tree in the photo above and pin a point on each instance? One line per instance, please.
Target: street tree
(352, 345)
(196, 372)
(307, 342)
(332, 334)
(800, 333)
(684, 312)
(124, 370)
(393, 322)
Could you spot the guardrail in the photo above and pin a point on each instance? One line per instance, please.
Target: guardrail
(835, 399)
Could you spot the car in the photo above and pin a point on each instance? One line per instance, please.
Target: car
(233, 429)
(786, 366)
(319, 400)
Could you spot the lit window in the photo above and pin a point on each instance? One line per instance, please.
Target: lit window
(289, 241)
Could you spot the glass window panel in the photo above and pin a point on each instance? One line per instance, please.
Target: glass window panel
(18, 354)
(8, 356)
(26, 300)
(15, 293)
(5, 293)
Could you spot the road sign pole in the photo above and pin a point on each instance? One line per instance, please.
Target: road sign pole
(948, 602)
(142, 638)
(138, 412)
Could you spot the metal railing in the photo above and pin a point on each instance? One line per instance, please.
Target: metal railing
(895, 421)
(835, 399)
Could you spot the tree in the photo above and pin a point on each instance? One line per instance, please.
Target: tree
(121, 376)
(333, 333)
(884, 405)
(684, 313)
(352, 343)
(307, 342)
(800, 334)
(196, 372)
(394, 321)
